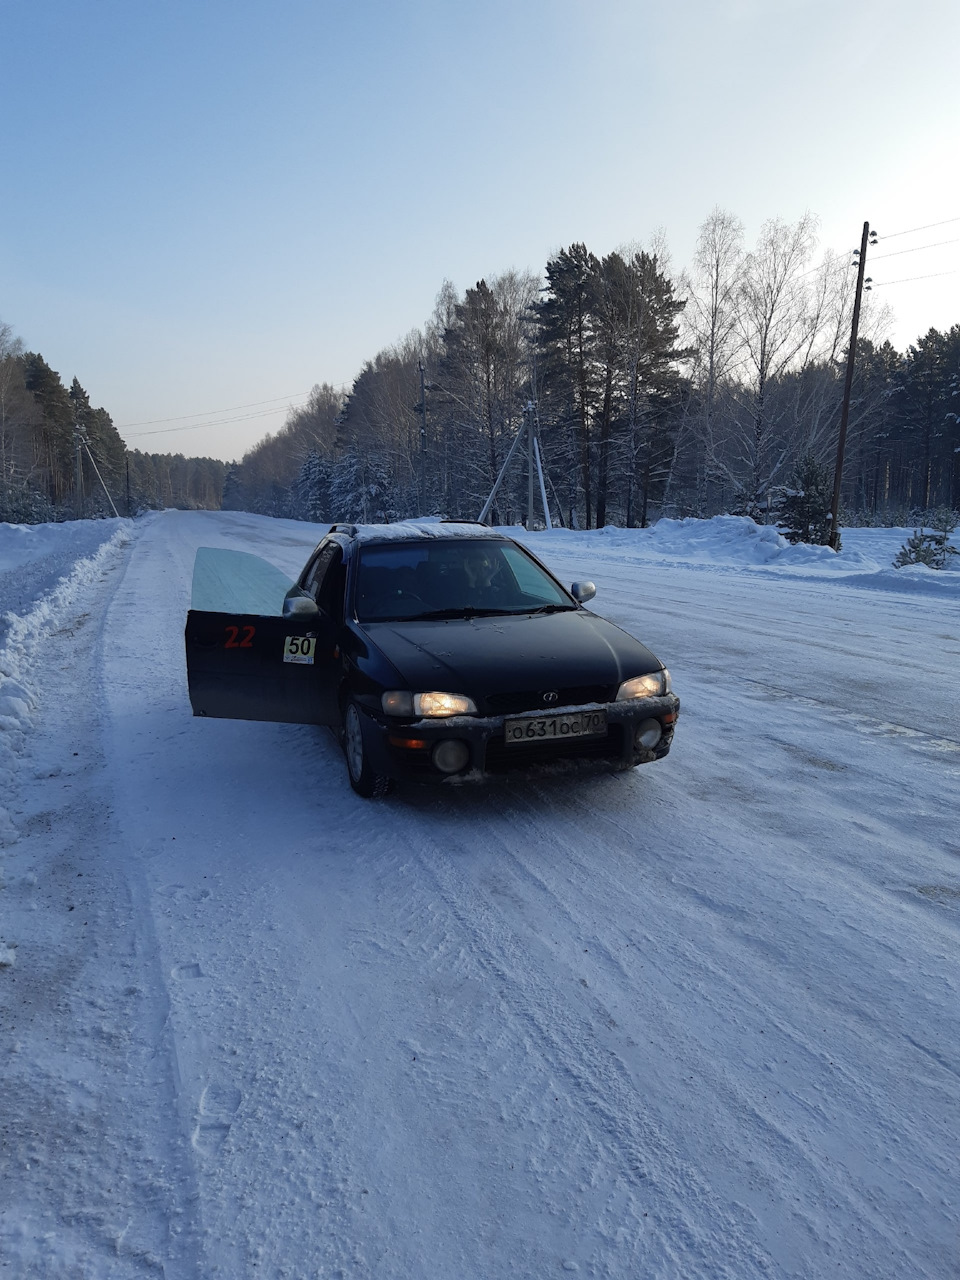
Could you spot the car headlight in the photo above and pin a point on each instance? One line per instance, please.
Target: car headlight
(399, 702)
(652, 686)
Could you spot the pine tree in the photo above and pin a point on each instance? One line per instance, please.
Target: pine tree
(360, 488)
(482, 384)
(803, 509)
(569, 365)
(924, 397)
(932, 549)
(650, 381)
(55, 452)
(313, 488)
(232, 489)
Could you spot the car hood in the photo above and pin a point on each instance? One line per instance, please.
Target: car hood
(482, 656)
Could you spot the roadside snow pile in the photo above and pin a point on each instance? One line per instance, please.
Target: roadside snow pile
(738, 539)
(720, 539)
(865, 560)
(36, 551)
(35, 557)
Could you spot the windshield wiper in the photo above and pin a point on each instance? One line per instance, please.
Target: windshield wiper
(467, 611)
(471, 611)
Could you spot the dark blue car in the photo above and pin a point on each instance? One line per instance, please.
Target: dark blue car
(435, 650)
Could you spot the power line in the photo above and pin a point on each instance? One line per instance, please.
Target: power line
(842, 266)
(919, 249)
(220, 422)
(206, 413)
(883, 284)
(929, 227)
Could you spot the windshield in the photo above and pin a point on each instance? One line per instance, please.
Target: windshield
(456, 579)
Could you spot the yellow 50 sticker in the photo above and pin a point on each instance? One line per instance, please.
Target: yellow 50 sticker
(299, 649)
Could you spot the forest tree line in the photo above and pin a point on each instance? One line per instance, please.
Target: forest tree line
(651, 393)
(63, 459)
(707, 391)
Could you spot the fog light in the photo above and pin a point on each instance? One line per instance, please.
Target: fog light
(648, 734)
(450, 755)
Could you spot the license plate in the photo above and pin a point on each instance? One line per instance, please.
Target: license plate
(572, 724)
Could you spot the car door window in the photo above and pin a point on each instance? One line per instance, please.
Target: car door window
(330, 584)
(317, 570)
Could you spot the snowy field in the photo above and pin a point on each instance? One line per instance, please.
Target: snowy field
(701, 1020)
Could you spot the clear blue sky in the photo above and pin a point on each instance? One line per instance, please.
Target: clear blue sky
(211, 204)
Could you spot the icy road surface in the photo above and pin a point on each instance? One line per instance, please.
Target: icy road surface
(700, 1020)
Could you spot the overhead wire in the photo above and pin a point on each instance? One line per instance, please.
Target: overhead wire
(939, 244)
(291, 403)
(883, 284)
(220, 422)
(912, 230)
(876, 257)
(206, 413)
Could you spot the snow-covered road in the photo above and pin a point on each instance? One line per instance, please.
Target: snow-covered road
(700, 1020)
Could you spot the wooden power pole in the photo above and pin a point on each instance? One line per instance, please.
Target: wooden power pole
(834, 538)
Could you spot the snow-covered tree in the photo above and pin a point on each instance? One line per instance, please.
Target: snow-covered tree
(802, 509)
(360, 488)
(932, 547)
(313, 488)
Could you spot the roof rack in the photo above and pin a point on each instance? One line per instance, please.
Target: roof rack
(456, 520)
(350, 529)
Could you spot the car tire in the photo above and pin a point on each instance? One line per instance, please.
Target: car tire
(366, 783)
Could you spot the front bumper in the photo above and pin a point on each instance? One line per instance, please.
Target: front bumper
(403, 748)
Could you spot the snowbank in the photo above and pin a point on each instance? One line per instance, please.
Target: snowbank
(35, 557)
(42, 561)
(865, 560)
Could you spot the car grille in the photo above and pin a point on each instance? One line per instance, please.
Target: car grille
(510, 704)
(501, 758)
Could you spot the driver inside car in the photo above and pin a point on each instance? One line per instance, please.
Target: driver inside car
(489, 584)
(480, 567)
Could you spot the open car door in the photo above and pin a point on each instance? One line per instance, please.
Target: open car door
(245, 660)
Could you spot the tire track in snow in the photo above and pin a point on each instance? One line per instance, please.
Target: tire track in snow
(824, 1075)
(658, 1182)
(710, 971)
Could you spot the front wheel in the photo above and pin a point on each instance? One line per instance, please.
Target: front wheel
(364, 781)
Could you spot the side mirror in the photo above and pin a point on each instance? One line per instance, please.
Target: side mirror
(583, 591)
(297, 604)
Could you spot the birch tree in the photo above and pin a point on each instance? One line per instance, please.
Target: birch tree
(774, 324)
(711, 331)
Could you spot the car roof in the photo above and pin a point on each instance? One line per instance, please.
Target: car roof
(418, 531)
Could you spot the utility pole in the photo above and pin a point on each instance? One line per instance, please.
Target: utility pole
(78, 469)
(531, 462)
(834, 539)
(93, 463)
(528, 432)
(422, 410)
